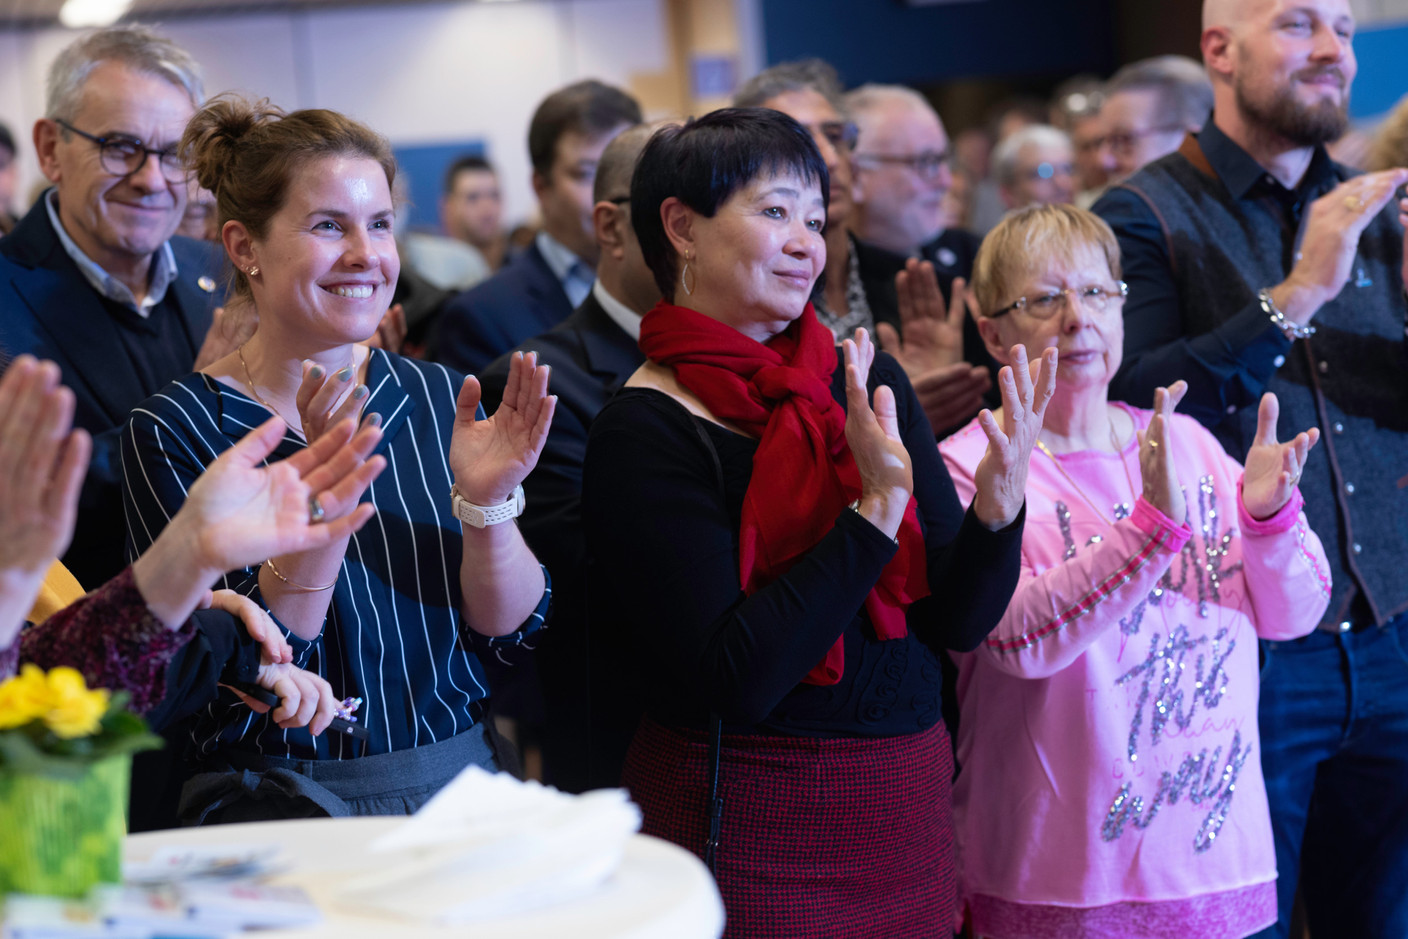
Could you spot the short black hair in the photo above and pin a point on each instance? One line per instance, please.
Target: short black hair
(704, 162)
(587, 107)
(7, 140)
(464, 164)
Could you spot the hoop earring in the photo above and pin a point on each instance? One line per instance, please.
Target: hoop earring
(684, 279)
(254, 271)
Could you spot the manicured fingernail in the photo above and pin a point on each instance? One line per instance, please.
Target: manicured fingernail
(374, 420)
(345, 374)
(315, 372)
(359, 392)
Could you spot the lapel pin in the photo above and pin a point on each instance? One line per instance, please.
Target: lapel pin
(205, 283)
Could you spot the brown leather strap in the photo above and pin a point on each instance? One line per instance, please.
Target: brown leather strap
(1193, 153)
(1159, 217)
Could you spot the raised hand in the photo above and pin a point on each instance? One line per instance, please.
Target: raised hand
(489, 458)
(930, 335)
(242, 512)
(324, 400)
(1272, 469)
(1001, 476)
(42, 462)
(886, 474)
(230, 327)
(1162, 488)
(1327, 250)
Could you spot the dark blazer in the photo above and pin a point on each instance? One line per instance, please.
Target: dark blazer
(591, 357)
(523, 299)
(49, 310)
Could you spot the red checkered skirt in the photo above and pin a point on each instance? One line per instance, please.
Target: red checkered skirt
(845, 837)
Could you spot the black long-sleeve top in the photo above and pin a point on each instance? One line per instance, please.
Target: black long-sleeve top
(666, 592)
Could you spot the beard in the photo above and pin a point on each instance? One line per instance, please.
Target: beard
(1305, 125)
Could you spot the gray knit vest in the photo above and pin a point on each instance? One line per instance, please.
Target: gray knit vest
(1349, 379)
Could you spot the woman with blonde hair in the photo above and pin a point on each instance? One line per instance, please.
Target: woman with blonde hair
(1111, 778)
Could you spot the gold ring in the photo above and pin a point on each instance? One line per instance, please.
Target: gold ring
(1153, 445)
(1353, 203)
(1293, 480)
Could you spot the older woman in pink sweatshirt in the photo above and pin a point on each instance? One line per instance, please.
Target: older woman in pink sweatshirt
(1111, 781)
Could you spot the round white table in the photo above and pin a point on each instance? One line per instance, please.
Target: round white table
(659, 889)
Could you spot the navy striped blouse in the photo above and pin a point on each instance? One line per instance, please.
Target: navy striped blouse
(394, 634)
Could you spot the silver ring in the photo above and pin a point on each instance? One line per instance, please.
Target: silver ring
(1293, 480)
(315, 510)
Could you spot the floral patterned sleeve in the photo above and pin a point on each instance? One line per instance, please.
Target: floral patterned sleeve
(112, 638)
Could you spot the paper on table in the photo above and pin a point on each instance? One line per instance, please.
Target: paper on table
(488, 846)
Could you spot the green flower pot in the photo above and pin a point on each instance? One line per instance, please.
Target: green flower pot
(59, 837)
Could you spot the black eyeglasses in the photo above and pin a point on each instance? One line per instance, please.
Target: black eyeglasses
(1097, 297)
(926, 165)
(122, 155)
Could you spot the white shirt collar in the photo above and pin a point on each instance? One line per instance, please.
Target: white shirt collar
(621, 315)
(161, 275)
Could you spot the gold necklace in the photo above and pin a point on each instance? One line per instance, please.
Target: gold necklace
(249, 380)
(1119, 452)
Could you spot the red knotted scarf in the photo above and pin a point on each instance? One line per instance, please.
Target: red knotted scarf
(803, 473)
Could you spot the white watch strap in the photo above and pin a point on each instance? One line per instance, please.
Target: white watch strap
(482, 516)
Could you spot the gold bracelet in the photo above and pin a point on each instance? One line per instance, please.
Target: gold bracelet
(275, 571)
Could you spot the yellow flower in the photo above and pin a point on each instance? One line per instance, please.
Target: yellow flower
(24, 698)
(74, 711)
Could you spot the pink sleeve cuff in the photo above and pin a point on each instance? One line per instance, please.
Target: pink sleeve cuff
(1284, 519)
(1151, 521)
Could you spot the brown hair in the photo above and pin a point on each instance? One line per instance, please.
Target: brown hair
(247, 152)
(1027, 239)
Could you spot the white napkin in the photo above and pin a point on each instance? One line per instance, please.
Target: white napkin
(488, 846)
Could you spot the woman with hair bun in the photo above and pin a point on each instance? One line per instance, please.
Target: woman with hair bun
(397, 613)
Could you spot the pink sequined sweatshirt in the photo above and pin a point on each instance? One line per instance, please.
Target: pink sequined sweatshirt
(1111, 779)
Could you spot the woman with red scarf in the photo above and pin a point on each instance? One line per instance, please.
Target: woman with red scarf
(780, 562)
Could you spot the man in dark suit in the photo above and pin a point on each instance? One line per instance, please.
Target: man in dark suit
(91, 277)
(592, 353)
(540, 288)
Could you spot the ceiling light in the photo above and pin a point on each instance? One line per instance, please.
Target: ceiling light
(77, 14)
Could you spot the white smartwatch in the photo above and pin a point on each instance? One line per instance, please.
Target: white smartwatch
(482, 516)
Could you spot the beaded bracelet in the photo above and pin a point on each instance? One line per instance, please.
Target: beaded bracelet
(1292, 330)
(275, 571)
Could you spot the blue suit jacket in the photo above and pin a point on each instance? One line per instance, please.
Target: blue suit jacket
(49, 310)
(481, 324)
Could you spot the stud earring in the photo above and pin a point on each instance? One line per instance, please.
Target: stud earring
(254, 271)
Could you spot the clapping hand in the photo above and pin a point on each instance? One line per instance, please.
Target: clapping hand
(1162, 487)
(930, 334)
(1273, 469)
(1001, 476)
(886, 474)
(489, 458)
(325, 400)
(241, 512)
(273, 647)
(42, 462)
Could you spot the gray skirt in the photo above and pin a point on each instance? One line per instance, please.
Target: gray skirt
(248, 787)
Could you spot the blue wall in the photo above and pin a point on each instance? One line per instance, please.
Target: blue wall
(885, 41)
(422, 171)
(1383, 70)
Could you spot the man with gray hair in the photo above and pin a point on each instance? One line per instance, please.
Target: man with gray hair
(1149, 107)
(1035, 166)
(1257, 264)
(91, 277)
